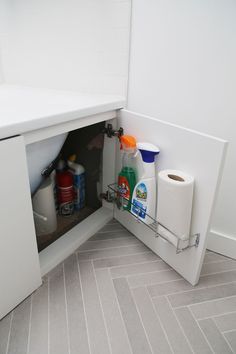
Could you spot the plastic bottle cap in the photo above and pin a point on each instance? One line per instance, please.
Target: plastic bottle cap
(128, 142)
(72, 158)
(148, 151)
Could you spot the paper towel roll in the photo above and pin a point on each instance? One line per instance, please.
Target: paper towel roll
(44, 204)
(174, 205)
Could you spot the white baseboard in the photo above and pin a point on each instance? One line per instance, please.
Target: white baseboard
(59, 250)
(221, 243)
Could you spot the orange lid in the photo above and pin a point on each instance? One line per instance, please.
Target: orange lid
(128, 141)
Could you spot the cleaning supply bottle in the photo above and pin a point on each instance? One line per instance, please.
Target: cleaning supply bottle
(78, 172)
(144, 194)
(127, 176)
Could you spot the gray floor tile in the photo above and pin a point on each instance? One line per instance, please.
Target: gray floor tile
(102, 244)
(148, 256)
(111, 235)
(112, 228)
(210, 268)
(214, 337)
(96, 326)
(226, 322)
(231, 339)
(136, 281)
(57, 314)
(155, 333)
(200, 295)
(172, 328)
(112, 252)
(214, 257)
(75, 309)
(87, 315)
(115, 325)
(20, 328)
(214, 308)
(169, 287)
(137, 337)
(182, 285)
(193, 332)
(38, 341)
(5, 324)
(117, 272)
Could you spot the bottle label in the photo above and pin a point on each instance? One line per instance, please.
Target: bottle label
(141, 192)
(139, 206)
(79, 186)
(124, 189)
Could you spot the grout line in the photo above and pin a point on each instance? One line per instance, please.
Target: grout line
(136, 263)
(180, 326)
(30, 323)
(201, 330)
(153, 272)
(66, 308)
(93, 240)
(122, 319)
(159, 319)
(136, 242)
(161, 324)
(111, 231)
(224, 337)
(117, 256)
(210, 287)
(220, 261)
(203, 287)
(9, 333)
(82, 296)
(207, 317)
(224, 314)
(141, 320)
(220, 272)
(110, 240)
(103, 315)
(49, 315)
(228, 331)
(137, 274)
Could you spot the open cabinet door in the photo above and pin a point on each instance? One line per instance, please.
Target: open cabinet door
(196, 154)
(19, 261)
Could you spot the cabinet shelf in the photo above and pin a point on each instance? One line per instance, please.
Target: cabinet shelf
(113, 195)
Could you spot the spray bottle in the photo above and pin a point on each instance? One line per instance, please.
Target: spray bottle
(144, 194)
(127, 176)
(78, 172)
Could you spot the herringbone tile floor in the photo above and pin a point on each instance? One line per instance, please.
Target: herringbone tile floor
(115, 296)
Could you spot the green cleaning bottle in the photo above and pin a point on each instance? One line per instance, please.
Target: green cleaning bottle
(127, 175)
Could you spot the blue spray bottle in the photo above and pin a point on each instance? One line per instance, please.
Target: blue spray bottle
(145, 192)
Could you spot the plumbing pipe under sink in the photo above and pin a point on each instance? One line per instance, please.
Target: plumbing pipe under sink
(40, 155)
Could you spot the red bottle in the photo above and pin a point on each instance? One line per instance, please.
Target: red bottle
(65, 192)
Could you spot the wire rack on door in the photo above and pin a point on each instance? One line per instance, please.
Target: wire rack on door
(113, 195)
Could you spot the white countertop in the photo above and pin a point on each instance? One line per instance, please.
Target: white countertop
(24, 109)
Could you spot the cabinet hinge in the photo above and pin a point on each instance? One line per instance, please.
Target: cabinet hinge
(110, 132)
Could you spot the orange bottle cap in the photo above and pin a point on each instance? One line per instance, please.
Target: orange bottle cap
(128, 141)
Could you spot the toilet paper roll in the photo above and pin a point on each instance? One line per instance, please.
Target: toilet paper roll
(174, 204)
(44, 204)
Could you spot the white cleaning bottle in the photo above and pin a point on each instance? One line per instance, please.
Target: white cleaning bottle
(78, 172)
(144, 194)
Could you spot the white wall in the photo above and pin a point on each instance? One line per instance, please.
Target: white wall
(182, 69)
(68, 44)
(2, 33)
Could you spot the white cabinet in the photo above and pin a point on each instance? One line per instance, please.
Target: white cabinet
(195, 153)
(19, 263)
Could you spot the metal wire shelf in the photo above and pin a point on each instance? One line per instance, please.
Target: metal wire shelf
(124, 204)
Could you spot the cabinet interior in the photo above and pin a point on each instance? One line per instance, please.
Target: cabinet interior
(87, 144)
